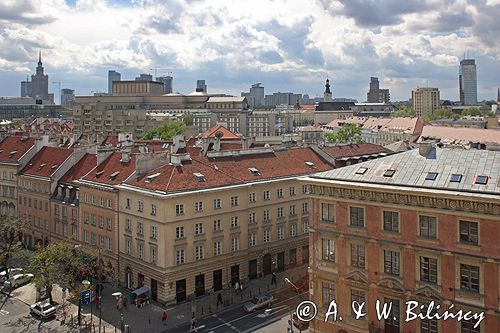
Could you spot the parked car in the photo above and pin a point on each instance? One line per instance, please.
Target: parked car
(43, 309)
(12, 272)
(17, 280)
(258, 302)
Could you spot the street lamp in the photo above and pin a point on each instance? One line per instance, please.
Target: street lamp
(119, 305)
(289, 307)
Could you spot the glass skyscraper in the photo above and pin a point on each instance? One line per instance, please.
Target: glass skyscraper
(467, 82)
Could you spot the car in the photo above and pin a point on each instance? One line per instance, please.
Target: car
(12, 272)
(301, 325)
(43, 309)
(19, 279)
(258, 302)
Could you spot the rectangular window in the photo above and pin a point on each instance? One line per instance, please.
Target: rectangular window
(267, 236)
(292, 191)
(94, 220)
(281, 233)
(391, 221)
(109, 223)
(267, 195)
(154, 257)
(235, 222)
(86, 218)
(292, 210)
(101, 222)
(267, 215)
(153, 209)
(358, 296)
(128, 224)
(180, 256)
(234, 201)
(128, 246)
(93, 239)
(393, 319)
(469, 232)
(328, 246)
(358, 256)
(198, 229)
(467, 326)
(127, 203)
(293, 230)
(305, 189)
(391, 262)
(217, 203)
(217, 248)
(305, 227)
(235, 244)
(140, 250)
(86, 236)
(279, 193)
(109, 203)
(154, 232)
(357, 216)
(305, 207)
(427, 226)
(199, 252)
(252, 239)
(252, 197)
(280, 212)
(179, 209)
(469, 278)
(140, 228)
(327, 293)
(328, 212)
(110, 244)
(179, 232)
(252, 218)
(428, 269)
(217, 225)
(198, 206)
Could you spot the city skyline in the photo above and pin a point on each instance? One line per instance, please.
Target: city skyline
(282, 44)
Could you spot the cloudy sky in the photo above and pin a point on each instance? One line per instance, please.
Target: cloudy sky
(288, 45)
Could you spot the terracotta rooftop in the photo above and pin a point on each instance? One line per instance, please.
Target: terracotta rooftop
(47, 161)
(227, 134)
(223, 171)
(111, 140)
(350, 150)
(12, 148)
(399, 124)
(460, 136)
(80, 169)
(111, 171)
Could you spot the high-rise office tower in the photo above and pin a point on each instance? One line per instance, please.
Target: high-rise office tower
(256, 95)
(26, 88)
(144, 77)
(375, 94)
(201, 86)
(112, 77)
(67, 98)
(167, 83)
(467, 82)
(40, 82)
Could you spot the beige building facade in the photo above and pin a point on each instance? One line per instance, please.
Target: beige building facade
(425, 101)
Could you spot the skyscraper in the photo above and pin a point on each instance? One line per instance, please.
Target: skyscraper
(167, 83)
(40, 83)
(144, 77)
(256, 95)
(375, 94)
(112, 77)
(26, 88)
(67, 98)
(467, 82)
(201, 86)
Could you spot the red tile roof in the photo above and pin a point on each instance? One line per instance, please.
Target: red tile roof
(111, 140)
(80, 169)
(350, 150)
(47, 161)
(112, 171)
(232, 170)
(226, 134)
(16, 144)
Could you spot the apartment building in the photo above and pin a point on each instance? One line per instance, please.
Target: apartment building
(425, 101)
(420, 226)
(203, 221)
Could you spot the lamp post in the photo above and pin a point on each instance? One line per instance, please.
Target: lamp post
(119, 305)
(289, 307)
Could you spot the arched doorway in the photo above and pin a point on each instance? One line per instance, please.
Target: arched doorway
(128, 278)
(266, 264)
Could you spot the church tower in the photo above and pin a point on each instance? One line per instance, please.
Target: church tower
(327, 96)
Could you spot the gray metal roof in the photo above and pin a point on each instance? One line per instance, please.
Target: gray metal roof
(412, 168)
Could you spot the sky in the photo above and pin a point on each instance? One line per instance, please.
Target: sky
(287, 45)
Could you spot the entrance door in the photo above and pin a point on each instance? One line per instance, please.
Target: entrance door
(154, 290)
(281, 261)
(140, 280)
(252, 269)
(305, 254)
(180, 290)
(293, 258)
(199, 282)
(235, 274)
(218, 280)
(266, 264)
(128, 278)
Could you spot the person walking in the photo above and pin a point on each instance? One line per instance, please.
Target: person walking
(164, 317)
(219, 299)
(273, 279)
(236, 286)
(193, 323)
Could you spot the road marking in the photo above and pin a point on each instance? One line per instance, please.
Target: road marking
(4, 312)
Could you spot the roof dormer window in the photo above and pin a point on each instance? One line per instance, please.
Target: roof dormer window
(150, 178)
(254, 171)
(361, 171)
(114, 175)
(311, 165)
(431, 176)
(199, 177)
(481, 180)
(389, 172)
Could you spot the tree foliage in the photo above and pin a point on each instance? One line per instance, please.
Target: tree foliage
(10, 230)
(441, 114)
(472, 112)
(187, 120)
(165, 131)
(346, 134)
(404, 112)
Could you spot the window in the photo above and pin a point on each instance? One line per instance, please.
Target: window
(361, 171)
(280, 212)
(391, 221)
(281, 233)
(481, 180)
(128, 246)
(217, 248)
(267, 195)
(252, 239)
(140, 228)
(199, 252)
(179, 232)
(179, 209)
(305, 227)
(94, 200)
(109, 222)
(128, 224)
(198, 206)
(180, 256)
(235, 222)
(328, 212)
(86, 218)
(305, 207)
(357, 216)
(217, 226)
(140, 250)
(428, 269)
(109, 203)
(251, 218)
(292, 191)
(217, 204)
(427, 226)
(293, 230)
(391, 262)
(358, 296)
(234, 201)
(469, 278)
(431, 176)
(327, 293)
(469, 232)
(389, 173)
(428, 325)
(154, 232)
(252, 197)
(101, 222)
(267, 236)
(235, 244)
(292, 210)
(467, 326)
(267, 215)
(305, 189)
(127, 203)
(94, 220)
(198, 229)
(153, 209)
(153, 255)
(279, 193)
(393, 319)
(110, 244)
(358, 256)
(456, 178)
(328, 246)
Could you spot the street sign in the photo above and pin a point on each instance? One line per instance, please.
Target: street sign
(86, 297)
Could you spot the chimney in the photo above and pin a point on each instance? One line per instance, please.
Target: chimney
(217, 144)
(125, 157)
(175, 160)
(427, 149)
(146, 162)
(178, 143)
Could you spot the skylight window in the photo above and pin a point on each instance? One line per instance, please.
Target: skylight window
(200, 177)
(456, 178)
(99, 173)
(361, 171)
(150, 178)
(481, 180)
(311, 165)
(54, 166)
(114, 175)
(41, 166)
(389, 172)
(12, 153)
(254, 171)
(431, 176)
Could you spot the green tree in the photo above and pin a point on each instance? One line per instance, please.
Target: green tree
(472, 112)
(347, 133)
(404, 112)
(10, 231)
(165, 131)
(187, 120)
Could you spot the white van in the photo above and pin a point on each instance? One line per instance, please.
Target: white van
(18, 279)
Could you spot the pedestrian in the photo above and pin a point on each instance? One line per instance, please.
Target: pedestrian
(193, 323)
(164, 317)
(219, 299)
(125, 303)
(236, 286)
(97, 302)
(273, 279)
